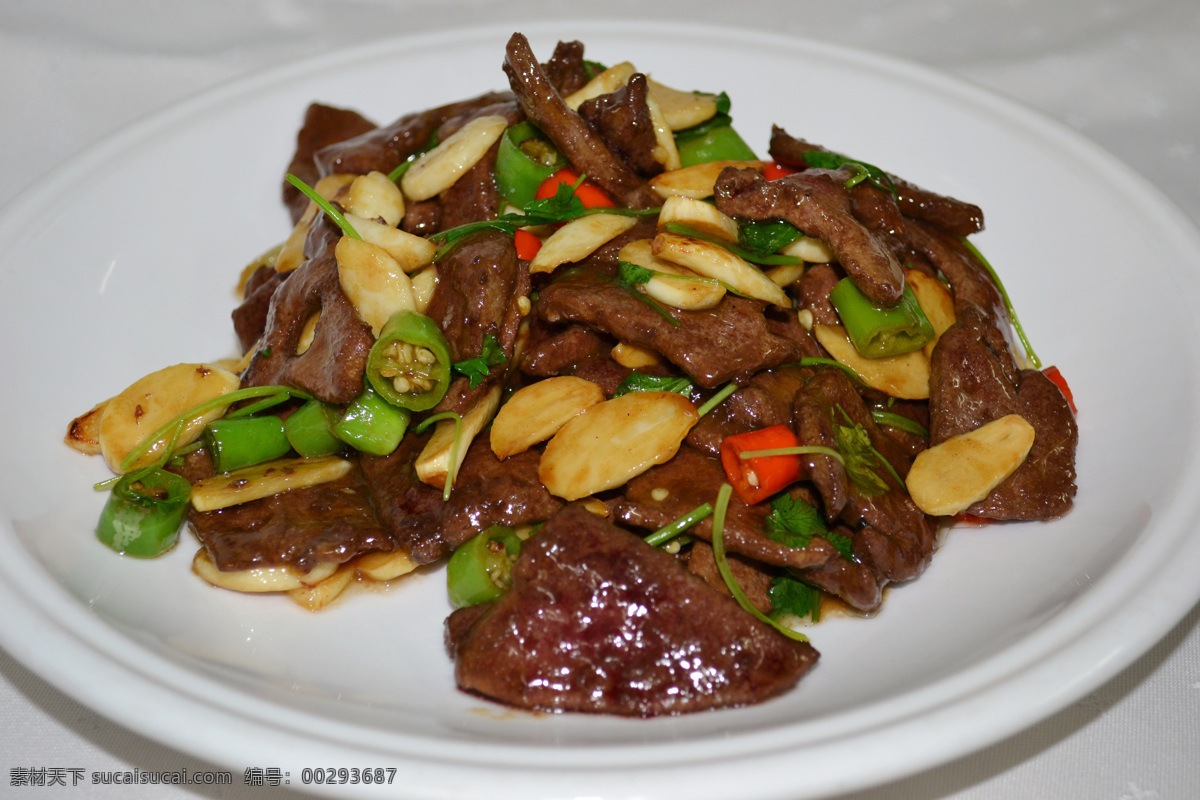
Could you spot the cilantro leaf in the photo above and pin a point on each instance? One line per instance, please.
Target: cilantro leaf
(827, 159)
(632, 274)
(793, 522)
(477, 368)
(767, 236)
(841, 542)
(638, 382)
(860, 458)
(790, 596)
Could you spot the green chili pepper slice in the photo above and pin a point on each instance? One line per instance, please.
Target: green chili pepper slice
(523, 160)
(720, 143)
(309, 429)
(879, 332)
(144, 512)
(243, 441)
(372, 425)
(409, 364)
(481, 570)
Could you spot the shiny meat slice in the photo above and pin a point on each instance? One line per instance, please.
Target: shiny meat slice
(598, 621)
(408, 509)
(816, 202)
(969, 280)
(813, 293)
(323, 126)
(565, 68)
(891, 535)
(572, 350)
(622, 118)
(667, 492)
(332, 522)
(732, 341)
(488, 491)
(582, 146)
(332, 367)
(250, 316)
(970, 385)
(386, 148)
(479, 281)
(955, 216)
(765, 401)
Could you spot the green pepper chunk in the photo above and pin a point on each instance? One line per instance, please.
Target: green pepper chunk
(879, 332)
(409, 364)
(240, 442)
(144, 512)
(310, 429)
(481, 569)
(372, 425)
(523, 160)
(720, 143)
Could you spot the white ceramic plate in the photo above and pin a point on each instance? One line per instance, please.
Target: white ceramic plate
(125, 261)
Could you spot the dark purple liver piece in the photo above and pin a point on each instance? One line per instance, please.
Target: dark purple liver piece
(598, 621)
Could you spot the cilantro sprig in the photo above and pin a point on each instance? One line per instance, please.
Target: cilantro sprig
(476, 369)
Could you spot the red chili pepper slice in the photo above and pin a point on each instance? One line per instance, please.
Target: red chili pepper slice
(756, 479)
(776, 170)
(1057, 378)
(591, 195)
(972, 519)
(527, 244)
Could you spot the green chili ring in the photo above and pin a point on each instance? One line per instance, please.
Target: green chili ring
(409, 365)
(523, 160)
(144, 512)
(481, 569)
(880, 332)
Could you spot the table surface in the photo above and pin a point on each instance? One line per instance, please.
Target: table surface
(1125, 74)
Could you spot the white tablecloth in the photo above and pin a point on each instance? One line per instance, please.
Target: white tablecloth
(1126, 74)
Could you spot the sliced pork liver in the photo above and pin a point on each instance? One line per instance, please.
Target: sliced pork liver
(598, 621)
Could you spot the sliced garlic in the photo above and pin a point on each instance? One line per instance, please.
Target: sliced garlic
(375, 196)
(433, 464)
(291, 253)
(373, 282)
(83, 434)
(699, 215)
(959, 472)
(265, 480)
(537, 411)
(713, 261)
(307, 333)
(696, 181)
(935, 301)
(682, 109)
(411, 252)
(259, 579)
(632, 356)
(665, 151)
(611, 442)
(809, 248)
(672, 284)
(384, 566)
(606, 82)
(440, 168)
(423, 283)
(153, 401)
(322, 593)
(905, 376)
(578, 239)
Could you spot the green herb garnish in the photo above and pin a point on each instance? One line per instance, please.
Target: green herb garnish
(477, 368)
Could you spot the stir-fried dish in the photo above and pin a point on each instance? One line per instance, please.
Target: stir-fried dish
(656, 401)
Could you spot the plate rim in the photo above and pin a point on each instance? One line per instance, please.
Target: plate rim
(150, 126)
